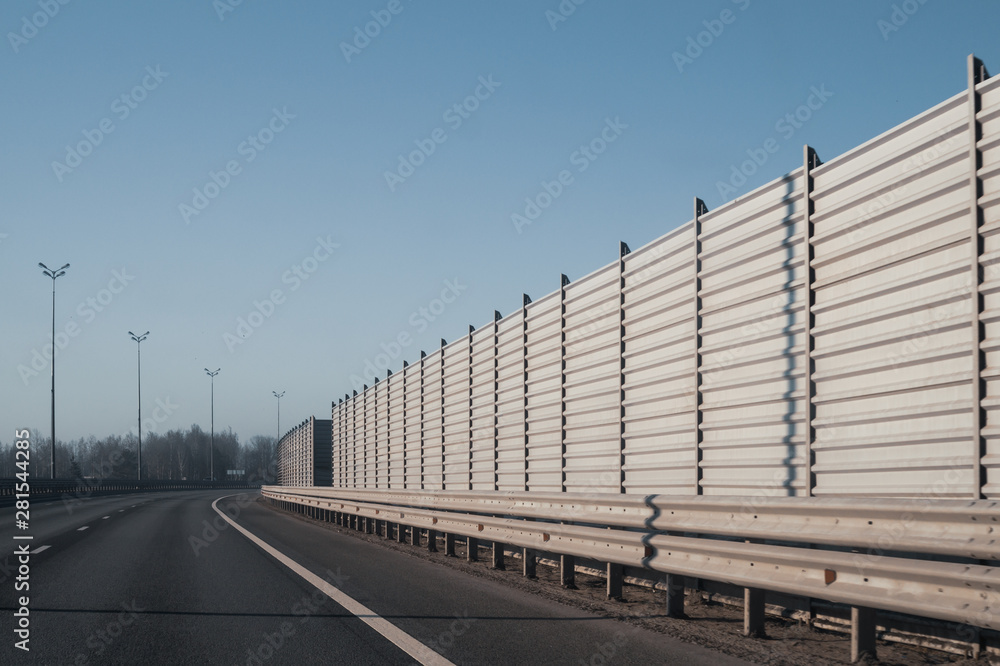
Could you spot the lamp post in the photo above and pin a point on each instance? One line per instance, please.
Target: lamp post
(138, 339)
(59, 272)
(211, 450)
(278, 396)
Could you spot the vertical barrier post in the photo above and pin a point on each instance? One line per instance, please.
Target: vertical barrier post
(423, 485)
(699, 209)
(976, 74)
(496, 399)
(444, 456)
(405, 482)
(563, 281)
(810, 161)
(472, 461)
(449, 544)
(524, 360)
(472, 549)
(623, 250)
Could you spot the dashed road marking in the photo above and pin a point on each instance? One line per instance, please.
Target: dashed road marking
(80, 529)
(40, 549)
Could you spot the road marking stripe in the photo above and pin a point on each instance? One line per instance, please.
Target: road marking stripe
(391, 632)
(105, 517)
(121, 510)
(40, 549)
(82, 528)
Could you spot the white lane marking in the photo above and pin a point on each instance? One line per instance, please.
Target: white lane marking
(121, 510)
(105, 517)
(391, 632)
(82, 528)
(40, 549)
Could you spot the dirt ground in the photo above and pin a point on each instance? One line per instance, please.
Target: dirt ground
(710, 624)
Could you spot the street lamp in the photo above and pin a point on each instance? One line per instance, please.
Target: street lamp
(211, 450)
(278, 396)
(59, 272)
(138, 339)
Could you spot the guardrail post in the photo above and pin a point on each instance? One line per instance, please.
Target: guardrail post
(567, 571)
(414, 536)
(616, 582)
(862, 633)
(400, 533)
(530, 563)
(449, 544)
(753, 612)
(472, 549)
(675, 595)
(432, 541)
(498, 562)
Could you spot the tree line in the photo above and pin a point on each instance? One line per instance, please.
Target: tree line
(171, 456)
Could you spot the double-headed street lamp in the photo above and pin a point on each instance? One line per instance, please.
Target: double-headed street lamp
(59, 272)
(278, 396)
(211, 450)
(138, 339)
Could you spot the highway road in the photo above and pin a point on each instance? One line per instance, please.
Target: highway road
(164, 579)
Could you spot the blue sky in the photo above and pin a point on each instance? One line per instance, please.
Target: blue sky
(197, 162)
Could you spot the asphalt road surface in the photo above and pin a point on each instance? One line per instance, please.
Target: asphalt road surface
(164, 579)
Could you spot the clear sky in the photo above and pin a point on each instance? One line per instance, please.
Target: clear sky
(197, 162)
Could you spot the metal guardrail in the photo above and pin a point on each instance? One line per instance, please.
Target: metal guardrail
(640, 532)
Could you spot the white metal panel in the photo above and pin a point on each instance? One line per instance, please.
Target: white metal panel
(412, 427)
(457, 434)
(593, 383)
(659, 403)
(482, 406)
(752, 324)
(382, 434)
(433, 456)
(543, 388)
(396, 430)
(510, 403)
(893, 373)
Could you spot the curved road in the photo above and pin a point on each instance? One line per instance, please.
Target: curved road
(163, 579)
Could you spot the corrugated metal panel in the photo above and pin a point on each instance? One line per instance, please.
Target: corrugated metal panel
(510, 403)
(659, 366)
(893, 382)
(457, 435)
(543, 387)
(381, 390)
(413, 427)
(337, 442)
(593, 383)
(483, 413)
(370, 459)
(989, 202)
(753, 380)
(892, 311)
(433, 457)
(396, 431)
